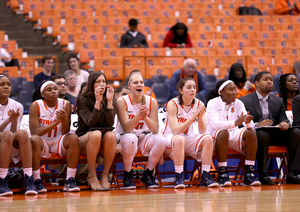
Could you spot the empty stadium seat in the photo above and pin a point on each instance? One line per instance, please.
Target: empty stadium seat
(159, 78)
(16, 83)
(29, 86)
(160, 90)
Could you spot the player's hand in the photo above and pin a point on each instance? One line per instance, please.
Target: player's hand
(14, 115)
(248, 118)
(60, 115)
(283, 125)
(266, 122)
(144, 112)
(240, 119)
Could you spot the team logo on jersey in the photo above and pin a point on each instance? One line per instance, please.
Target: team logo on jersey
(232, 110)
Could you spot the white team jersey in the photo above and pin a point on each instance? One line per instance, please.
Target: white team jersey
(46, 117)
(182, 116)
(4, 112)
(132, 109)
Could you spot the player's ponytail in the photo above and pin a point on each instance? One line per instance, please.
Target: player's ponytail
(143, 99)
(37, 93)
(215, 92)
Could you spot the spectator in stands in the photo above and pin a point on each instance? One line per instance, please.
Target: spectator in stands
(133, 38)
(283, 7)
(4, 53)
(269, 110)
(288, 89)
(148, 91)
(178, 37)
(182, 113)
(188, 70)
(46, 74)
(138, 129)
(72, 91)
(81, 75)
(14, 142)
(60, 81)
(82, 88)
(95, 121)
(49, 123)
(122, 90)
(223, 126)
(238, 75)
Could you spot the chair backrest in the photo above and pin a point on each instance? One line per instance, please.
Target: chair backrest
(159, 78)
(160, 90)
(297, 67)
(29, 86)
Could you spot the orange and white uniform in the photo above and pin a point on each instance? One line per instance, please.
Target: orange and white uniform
(192, 139)
(53, 140)
(221, 116)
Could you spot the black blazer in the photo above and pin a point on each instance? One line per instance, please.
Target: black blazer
(296, 110)
(276, 108)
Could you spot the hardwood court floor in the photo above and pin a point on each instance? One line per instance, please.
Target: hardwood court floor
(237, 198)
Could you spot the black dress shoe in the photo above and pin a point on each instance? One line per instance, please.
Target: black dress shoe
(292, 179)
(265, 180)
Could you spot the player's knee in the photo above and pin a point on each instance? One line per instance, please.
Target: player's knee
(130, 146)
(95, 135)
(21, 134)
(250, 132)
(7, 137)
(160, 142)
(208, 141)
(179, 142)
(223, 135)
(36, 141)
(73, 140)
(110, 137)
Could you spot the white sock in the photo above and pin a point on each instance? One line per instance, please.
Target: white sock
(36, 174)
(71, 172)
(179, 169)
(3, 172)
(220, 164)
(27, 171)
(205, 168)
(249, 162)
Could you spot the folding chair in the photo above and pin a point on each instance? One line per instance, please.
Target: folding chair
(182, 52)
(285, 59)
(105, 62)
(218, 60)
(251, 51)
(260, 60)
(10, 71)
(206, 51)
(89, 54)
(113, 73)
(173, 61)
(271, 26)
(273, 51)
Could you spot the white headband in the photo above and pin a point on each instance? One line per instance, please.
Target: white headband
(1, 75)
(45, 84)
(137, 73)
(223, 85)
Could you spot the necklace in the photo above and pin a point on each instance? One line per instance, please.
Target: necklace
(187, 108)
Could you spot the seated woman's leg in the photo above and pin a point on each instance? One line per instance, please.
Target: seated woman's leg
(178, 158)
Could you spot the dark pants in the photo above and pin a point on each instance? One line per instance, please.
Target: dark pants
(268, 137)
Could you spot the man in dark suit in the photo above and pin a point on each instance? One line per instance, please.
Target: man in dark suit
(296, 110)
(269, 110)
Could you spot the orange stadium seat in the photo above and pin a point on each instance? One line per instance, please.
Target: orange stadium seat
(238, 59)
(27, 72)
(267, 5)
(270, 26)
(250, 27)
(63, 13)
(53, 5)
(281, 19)
(159, 70)
(239, 43)
(73, 5)
(265, 35)
(2, 35)
(203, 20)
(225, 35)
(208, 5)
(228, 12)
(158, 35)
(187, 13)
(291, 50)
(285, 34)
(222, 19)
(285, 59)
(157, 20)
(290, 27)
(246, 35)
(113, 35)
(10, 71)
(170, 6)
(15, 52)
(57, 29)
(267, 12)
(154, 61)
(89, 54)
(75, 20)
(230, 5)
(207, 70)
(155, 52)
(92, 5)
(105, 28)
(221, 43)
(134, 61)
(165, 13)
(200, 43)
(83, 12)
(155, 43)
(202, 35)
(28, 6)
(148, 28)
(190, 5)
(113, 52)
(218, 61)
(134, 51)
(182, 52)
(254, 69)
(126, 12)
(152, 6)
(227, 51)
(200, 60)
(242, 19)
(112, 5)
(49, 21)
(207, 27)
(297, 34)
(93, 36)
(261, 19)
(27, 62)
(11, 44)
(297, 43)
(117, 20)
(260, 60)
(14, 4)
(273, 51)
(283, 43)
(280, 69)
(231, 27)
(105, 62)
(208, 12)
(84, 44)
(38, 13)
(128, 69)
(250, 51)
(85, 28)
(145, 13)
(206, 51)
(69, 38)
(113, 72)
(133, 5)
(173, 61)
(262, 43)
(96, 20)
(163, 27)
